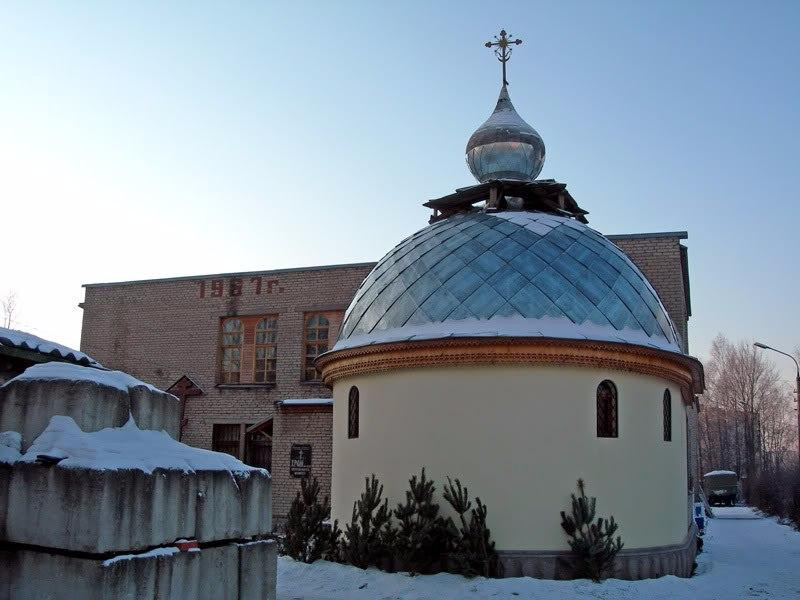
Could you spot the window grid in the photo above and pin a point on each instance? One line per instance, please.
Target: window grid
(352, 413)
(231, 350)
(316, 340)
(266, 350)
(607, 417)
(667, 416)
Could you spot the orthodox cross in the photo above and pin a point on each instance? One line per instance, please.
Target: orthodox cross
(502, 49)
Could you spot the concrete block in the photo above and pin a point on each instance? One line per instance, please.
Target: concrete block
(258, 570)
(210, 574)
(26, 406)
(98, 511)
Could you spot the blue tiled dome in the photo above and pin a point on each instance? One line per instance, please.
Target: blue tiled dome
(521, 274)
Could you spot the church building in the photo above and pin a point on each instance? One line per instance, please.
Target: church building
(507, 343)
(511, 346)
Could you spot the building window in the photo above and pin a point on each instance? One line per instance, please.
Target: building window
(225, 438)
(316, 338)
(266, 350)
(607, 410)
(667, 416)
(231, 350)
(352, 413)
(249, 350)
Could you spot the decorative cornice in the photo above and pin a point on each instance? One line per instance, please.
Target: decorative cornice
(683, 370)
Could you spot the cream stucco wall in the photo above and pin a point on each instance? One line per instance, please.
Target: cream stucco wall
(519, 438)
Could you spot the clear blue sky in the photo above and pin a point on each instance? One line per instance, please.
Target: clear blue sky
(151, 139)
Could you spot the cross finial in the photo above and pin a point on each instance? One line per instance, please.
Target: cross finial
(502, 49)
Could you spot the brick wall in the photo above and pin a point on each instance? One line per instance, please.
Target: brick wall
(661, 257)
(300, 425)
(160, 330)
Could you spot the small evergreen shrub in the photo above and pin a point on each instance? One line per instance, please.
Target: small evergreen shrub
(472, 551)
(308, 535)
(369, 536)
(422, 536)
(423, 541)
(592, 544)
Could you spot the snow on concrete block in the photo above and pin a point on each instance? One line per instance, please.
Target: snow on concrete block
(94, 398)
(125, 488)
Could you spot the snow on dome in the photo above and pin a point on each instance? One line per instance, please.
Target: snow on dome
(520, 274)
(27, 341)
(126, 447)
(69, 372)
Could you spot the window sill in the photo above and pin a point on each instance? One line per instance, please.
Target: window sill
(316, 382)
(243, 386)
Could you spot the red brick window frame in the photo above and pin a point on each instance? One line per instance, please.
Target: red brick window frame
(316, 335)
(607, 410)
(231, 351)
(248, 350)
(266, 350)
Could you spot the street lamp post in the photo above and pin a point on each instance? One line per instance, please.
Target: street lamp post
(797, 381)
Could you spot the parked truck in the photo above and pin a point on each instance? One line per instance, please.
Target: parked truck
(721, 487)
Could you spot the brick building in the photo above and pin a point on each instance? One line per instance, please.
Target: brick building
(238, 348)
(233, 346)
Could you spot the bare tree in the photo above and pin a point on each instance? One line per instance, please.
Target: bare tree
(9, 304)
(746, 420)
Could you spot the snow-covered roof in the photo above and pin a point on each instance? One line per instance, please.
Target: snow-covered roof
(712, 473)
(307, 402)
(514, 326)
(27, 341)
(509, 273)
(115, 448)
(66, 371)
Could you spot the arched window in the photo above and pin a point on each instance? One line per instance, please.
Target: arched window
(607, 410)
(352, 413)
(231, 355)
(316, 338)
(667, 416)
(266, 350)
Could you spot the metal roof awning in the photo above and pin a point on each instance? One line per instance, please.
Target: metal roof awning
(546, 195)
(306, 402)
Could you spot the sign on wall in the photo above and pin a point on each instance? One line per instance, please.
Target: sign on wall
(300, 460)
(238, 286)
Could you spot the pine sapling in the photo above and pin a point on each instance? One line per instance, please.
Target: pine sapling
(472, 549)
(367, 536)
(420, 539)
(308, 534)
(593, 544)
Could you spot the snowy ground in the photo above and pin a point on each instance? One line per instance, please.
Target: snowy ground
(745, 557)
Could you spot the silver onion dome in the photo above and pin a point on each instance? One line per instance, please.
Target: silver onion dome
(505, 146)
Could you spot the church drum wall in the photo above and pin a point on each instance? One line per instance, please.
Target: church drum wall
(519, 438)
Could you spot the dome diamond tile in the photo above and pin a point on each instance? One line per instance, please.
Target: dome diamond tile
(507, 273)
